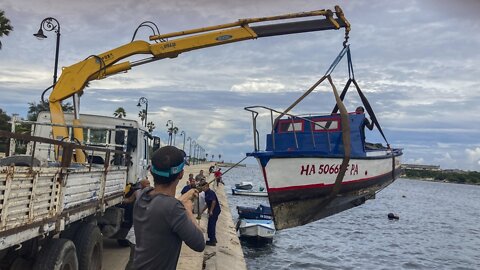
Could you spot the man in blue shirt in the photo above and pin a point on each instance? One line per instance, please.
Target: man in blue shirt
(191, 184)
(213, 207)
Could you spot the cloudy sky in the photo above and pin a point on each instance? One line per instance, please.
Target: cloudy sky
(417, 62)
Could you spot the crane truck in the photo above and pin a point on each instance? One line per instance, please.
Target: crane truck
(60, 200)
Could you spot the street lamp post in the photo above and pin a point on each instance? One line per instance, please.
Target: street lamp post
(184, 135)
(175, 129)
(197, 153)
(170, 131)
(194, 150)
(190, 150)
(143, 100)
(50, 24)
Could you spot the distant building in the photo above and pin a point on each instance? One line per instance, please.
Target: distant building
(419, 167)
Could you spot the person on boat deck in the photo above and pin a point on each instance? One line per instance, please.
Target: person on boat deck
(366, 122)
(161, 221)
(213, 207)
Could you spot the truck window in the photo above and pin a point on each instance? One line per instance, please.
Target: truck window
(95, 135)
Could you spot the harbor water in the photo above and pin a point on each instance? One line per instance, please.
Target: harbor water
(439, 228)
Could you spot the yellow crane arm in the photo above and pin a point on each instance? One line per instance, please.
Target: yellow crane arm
(74, 78)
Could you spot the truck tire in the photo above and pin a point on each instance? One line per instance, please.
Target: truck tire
(71, 231)
(57, 254)
(21, 264)
(23, 161)
(89, 244)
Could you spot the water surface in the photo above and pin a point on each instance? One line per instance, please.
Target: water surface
(439, 228)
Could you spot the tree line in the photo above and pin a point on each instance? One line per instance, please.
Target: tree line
(463, 177)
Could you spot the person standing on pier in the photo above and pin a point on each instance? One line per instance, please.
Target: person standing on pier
(161, 221)
(144, 183)
(218, 176)
(213, 207)
(200, 177)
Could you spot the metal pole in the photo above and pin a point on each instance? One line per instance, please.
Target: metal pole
(56, 56)
(190, 150)
(184, 136)
(194, 153)
(146, 113)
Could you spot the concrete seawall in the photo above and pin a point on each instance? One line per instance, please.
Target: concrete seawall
(227, 254)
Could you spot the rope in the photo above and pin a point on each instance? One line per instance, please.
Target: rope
(236, 164)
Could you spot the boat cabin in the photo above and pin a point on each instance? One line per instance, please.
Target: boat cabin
(319, 134)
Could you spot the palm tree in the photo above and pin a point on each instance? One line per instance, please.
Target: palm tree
(120, 112)
(142, 114)
(35, 108)
(219, 157)
(150, 126)
(172, 130)
(5, 26)
(175, 131)
(213, 156)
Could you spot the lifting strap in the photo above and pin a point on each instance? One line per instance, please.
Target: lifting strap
(366, 104)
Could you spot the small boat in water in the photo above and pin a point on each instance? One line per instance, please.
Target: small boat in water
(249, 192)
(317, 165)
(261, 212)
(244, 185)
(256, 229)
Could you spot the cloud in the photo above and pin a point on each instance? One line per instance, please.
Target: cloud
(473, 156)
(256, 85)
(418, 68)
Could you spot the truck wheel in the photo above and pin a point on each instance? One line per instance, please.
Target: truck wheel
(21, 264)
(57, 254)
(89, 244)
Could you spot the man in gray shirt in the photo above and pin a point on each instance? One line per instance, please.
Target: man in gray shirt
(162, 222)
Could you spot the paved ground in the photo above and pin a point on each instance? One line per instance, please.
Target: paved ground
(226, 255)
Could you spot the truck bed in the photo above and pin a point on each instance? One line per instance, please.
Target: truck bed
(38, 200)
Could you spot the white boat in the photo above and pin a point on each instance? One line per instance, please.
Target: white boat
(260, 229)
(317, 165)
(244, 185)
(236, 191)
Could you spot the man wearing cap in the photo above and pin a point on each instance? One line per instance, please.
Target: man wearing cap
(161, 221)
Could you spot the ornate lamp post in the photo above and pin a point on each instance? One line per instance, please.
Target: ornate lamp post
(184, 135)
(50, 24)
(170, 131)
(143, 100)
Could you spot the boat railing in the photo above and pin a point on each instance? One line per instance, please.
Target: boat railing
(274, 122)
